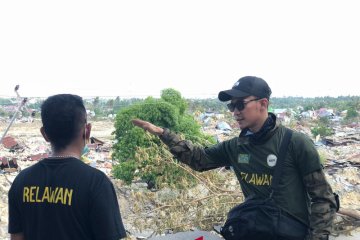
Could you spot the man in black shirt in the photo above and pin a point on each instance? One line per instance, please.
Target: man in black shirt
(60, 197)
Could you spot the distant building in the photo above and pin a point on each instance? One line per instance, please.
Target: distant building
(90, 113)
(282, 114)
(324, 112)
(308, 114)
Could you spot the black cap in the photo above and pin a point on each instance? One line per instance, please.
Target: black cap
(246, 86)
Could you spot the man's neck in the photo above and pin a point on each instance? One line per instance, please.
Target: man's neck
(260, 124)
(67, 152)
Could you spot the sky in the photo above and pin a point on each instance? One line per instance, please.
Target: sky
(137, 48)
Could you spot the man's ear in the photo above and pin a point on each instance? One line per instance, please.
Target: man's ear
(44, 134)
(265, 103)
(88, 130)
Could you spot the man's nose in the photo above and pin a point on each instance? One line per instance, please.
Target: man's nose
(236, 111)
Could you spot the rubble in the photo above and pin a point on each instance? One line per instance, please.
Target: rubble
(8, 164)
(341, 167)
(9, 142)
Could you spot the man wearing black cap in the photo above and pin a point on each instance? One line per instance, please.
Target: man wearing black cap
(304, 192)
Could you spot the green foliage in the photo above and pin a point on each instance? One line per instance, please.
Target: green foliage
(324, 121)
(36, 105)
(99, 112)
(119, 104)
(2, 113)
(104, 107)
(125, 171)
(340, 103)
(192, 131)
(96, 102)
(351, 113)
(321, 130)
(174, 97)
(110, 103)
(156, 165)
(142, 155)
(5, 101)
(209, 104)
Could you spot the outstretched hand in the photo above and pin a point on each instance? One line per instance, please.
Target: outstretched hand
(147, 126)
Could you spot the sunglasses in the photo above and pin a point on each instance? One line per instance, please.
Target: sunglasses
(239, 105)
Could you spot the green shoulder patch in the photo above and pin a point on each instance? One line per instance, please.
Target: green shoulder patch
(244, 158)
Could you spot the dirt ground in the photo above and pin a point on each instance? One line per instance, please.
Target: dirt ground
(101, 129)
(29, 135)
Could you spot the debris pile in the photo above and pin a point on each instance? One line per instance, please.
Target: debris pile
(25, 146)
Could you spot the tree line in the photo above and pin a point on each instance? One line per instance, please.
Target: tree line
(103, 107)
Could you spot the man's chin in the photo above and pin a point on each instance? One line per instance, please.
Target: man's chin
(241, 126)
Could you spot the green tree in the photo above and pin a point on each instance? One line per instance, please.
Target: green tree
(110, 103)
(351, 113)
(142, 155)
(324, 121)
(2, 112)
(321, 130)
(96, 102)
(5, 101)
(117, 104)
(173, 97)
(99, 107)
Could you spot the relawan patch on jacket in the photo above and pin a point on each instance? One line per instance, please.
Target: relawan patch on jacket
(256, 179)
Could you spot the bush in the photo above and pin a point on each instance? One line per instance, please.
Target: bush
(125, 171)
(174, 97)
(351, 113)
(321, 130)
(142, 155)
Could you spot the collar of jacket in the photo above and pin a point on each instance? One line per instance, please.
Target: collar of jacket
(267, 131)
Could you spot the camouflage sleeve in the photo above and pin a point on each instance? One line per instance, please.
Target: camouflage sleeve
(323, 205)
(186, 152)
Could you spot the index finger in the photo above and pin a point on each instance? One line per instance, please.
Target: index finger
(138, 122)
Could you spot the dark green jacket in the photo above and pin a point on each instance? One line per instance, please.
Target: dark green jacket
(253, 164)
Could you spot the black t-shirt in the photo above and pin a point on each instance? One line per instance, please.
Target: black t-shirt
(64, 199)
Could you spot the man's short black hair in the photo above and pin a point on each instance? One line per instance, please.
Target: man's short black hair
(63, 116)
